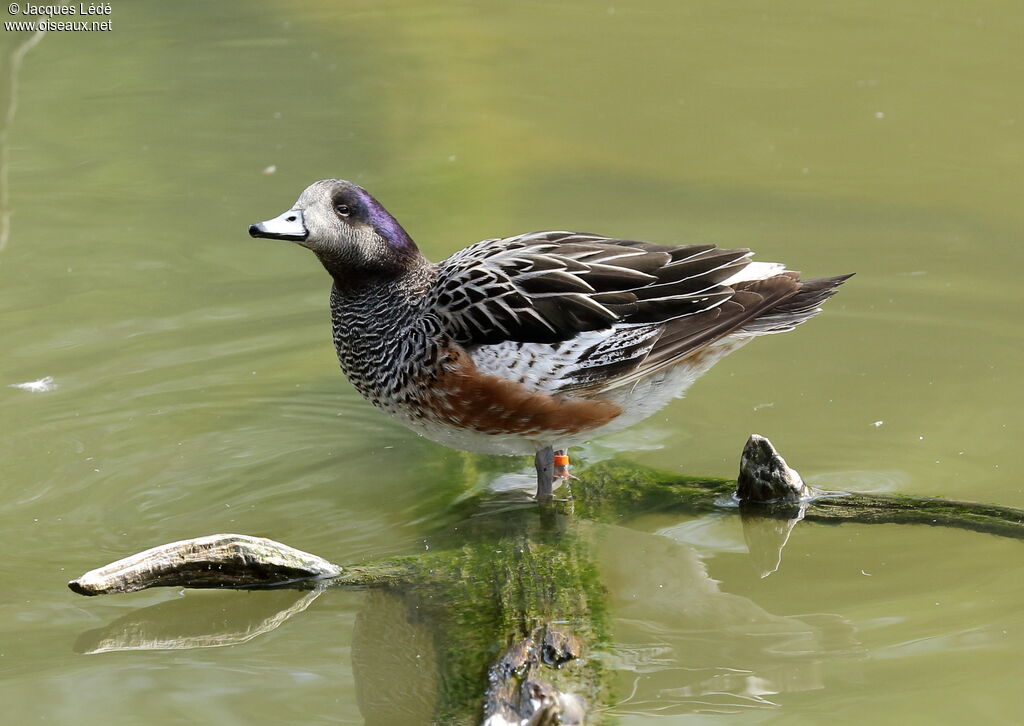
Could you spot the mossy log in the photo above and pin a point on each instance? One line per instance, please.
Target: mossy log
(616, 488)
(516, 609)
(513, 599)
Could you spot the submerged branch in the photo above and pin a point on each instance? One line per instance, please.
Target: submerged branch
(614, 488)
(901, 509)
(768, 487)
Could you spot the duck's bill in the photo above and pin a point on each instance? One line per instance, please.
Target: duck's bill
(289, 225)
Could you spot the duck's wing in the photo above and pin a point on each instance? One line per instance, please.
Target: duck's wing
(561, 311)
(772, 304)
(549, 287)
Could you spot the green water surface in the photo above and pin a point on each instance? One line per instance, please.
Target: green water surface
(194, 388)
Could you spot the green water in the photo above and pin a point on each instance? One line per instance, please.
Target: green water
(196, 390)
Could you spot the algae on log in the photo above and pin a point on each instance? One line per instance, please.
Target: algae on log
(522, 610)
(614, 488)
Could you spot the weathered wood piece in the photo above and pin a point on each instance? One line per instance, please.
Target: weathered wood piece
(764, 475)
(218, 560)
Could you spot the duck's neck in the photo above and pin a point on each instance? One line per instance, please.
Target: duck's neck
(376, 326)
(355, 276)
(376, 291)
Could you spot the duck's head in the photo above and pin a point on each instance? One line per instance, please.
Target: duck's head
(347, 229)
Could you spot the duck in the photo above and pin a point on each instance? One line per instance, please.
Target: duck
(534, 343)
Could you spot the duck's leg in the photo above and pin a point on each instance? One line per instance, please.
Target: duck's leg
(561, 461)
(544, 460)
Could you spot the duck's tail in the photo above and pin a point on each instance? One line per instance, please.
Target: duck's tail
(796, 309)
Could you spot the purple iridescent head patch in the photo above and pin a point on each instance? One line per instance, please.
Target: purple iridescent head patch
(382, 221)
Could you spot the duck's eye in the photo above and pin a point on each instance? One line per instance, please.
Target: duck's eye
(342, 209)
